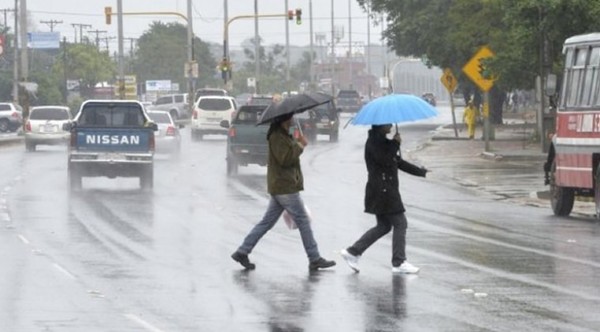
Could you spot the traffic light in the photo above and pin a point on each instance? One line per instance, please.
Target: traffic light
(298, 16)
(108, 14)
(225, 69)
(290, 14)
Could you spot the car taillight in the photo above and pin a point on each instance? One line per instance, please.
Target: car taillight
(73, 141)
(152, 142)
(232, 132)
(16, 115)
(170, 131)
(28, 126)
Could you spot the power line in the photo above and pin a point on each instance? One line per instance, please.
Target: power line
(51, 23)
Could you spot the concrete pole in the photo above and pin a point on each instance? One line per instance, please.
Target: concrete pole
(369, 47)
(256, 49)
(287, 48)
(23, 31)
(121, 78)
(16, 56)
(332, 59)
(350, 44)
(312, 57)
(190, 54)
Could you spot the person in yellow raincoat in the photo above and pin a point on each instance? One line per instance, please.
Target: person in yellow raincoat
(470, 116)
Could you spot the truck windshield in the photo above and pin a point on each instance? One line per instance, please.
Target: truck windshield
(112, 115)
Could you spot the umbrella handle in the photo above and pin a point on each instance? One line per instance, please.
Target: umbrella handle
(348, 122)
(299, 126)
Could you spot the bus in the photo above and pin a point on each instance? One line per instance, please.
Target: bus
(574, 155)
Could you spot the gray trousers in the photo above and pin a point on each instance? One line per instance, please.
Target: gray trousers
(385, 223)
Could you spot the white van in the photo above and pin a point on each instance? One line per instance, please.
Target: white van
(208, 113)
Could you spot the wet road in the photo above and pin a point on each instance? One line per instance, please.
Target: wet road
(114, 258)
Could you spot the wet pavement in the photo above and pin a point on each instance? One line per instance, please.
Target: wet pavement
(512, 169)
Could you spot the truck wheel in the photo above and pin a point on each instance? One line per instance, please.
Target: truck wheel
(333, 137)
(561, 198)
(147, 179)
(30, 147)
(75, 181)
(232, 166)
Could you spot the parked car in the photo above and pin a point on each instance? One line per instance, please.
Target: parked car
(429, 97)
(208, 113)
(265, 100)
(168, 136)
(44, 126)
(209, 92)
(175, 104)
(349, 101)
(11, 117)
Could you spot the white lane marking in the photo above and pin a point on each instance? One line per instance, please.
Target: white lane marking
(248, 191)
(142, 323)
(23, 239)
(64, 271)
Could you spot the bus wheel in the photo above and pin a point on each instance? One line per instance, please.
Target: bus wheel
(561, 198)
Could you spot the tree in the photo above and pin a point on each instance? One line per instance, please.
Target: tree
(450, 32)
(87, 64)
(162, 54)
(272, 68)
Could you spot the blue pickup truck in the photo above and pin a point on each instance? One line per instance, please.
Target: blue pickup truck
(111, 138)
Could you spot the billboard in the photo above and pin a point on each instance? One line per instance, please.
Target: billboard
(43, 40)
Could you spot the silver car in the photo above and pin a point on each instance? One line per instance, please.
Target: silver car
(168, 137)
(44, 126)
(11, 117)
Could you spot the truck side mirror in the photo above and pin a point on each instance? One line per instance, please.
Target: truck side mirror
(224, 124)
(68, 126)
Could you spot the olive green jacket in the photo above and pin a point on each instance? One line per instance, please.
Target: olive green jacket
(284, 175)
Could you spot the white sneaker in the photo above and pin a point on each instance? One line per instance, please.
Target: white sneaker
(406, 267)
(350, 259)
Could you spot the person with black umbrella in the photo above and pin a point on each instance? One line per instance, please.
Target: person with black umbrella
(284, 183)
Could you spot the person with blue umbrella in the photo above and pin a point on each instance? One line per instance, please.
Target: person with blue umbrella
(383, 160)
(382, 198)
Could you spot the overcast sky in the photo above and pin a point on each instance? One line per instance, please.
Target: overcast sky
(208, 19)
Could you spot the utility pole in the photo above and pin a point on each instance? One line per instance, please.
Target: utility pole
(369, 47)
(287, 48)
(256, 48)
(131, 44)
(312, 55)
(80, 26)
(24, 56)
(97, 32)
(350, 44)
(16, 56)
(107, 39)
(332, 60)
(121, 78)
(51, 24)
(6, 10)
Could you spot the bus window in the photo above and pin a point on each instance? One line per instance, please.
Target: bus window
(576, 77)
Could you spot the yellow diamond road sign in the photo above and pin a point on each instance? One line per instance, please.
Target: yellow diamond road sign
(474, 69)
(448, 80)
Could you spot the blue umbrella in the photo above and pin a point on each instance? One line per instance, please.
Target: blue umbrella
(394, 108)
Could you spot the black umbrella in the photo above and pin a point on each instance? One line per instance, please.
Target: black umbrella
(293, 104)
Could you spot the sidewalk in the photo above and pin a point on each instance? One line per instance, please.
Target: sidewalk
(511, 170)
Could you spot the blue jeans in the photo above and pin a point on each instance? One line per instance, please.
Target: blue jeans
(294, 205)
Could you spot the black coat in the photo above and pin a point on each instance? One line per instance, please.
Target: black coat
(381, 156)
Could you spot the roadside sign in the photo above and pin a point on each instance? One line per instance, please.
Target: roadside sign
(475, 69)
(251, 82)
(191, 69)
(448, 80)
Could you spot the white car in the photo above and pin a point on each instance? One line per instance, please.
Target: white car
(168, 137)
(208, 113)
(45, 126)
